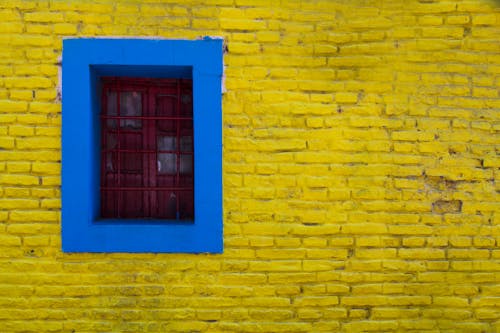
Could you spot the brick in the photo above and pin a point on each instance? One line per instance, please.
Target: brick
(458, 19)
(43, 17)
(484, 19)
(65, 29)
(6, 142)
(268, 36)
(9, 15)
(8, 240)
(346, 98)
(441, 32)
(468, 254)
(393, 313)
(18, 203)
(51, 203)
(413, 136)
(410, 230)
(244, 48)
(23, 95)
(242, 24)
(11, 27)
(375, 253)
(483, 241)
(280, 254)
(18, 180)
(29, 83)
(36, 240)
(7, 106)
(91, 19)
(428, 253)
(46, 168)
(33, 216)
(368, 228)
(38, 143)
(487, 314)
(316, 301)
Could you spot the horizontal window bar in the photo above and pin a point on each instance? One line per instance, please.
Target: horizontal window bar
(146, 188)
(145, 117)
(181, 152)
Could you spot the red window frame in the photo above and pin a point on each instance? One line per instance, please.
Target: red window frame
(147, 155)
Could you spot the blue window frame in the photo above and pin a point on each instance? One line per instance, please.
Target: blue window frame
(84, 62)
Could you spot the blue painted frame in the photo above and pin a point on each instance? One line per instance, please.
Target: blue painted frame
(84, 60)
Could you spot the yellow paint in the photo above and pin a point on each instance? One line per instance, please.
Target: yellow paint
(361, 172)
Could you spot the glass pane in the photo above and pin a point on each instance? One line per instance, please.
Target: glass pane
(186, 105)
(109, 162)
(168, 143)
(111, 109)
(186, 99)
(186, 143)
(167, 163)
(166, 107)
(130, 105)
(111, 144)
(111, 141)
(186, 164)
(131, 163)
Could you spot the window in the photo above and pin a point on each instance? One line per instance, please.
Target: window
(142, 145)
(147, 148)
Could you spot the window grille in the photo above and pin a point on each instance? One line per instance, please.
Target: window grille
(147, 155)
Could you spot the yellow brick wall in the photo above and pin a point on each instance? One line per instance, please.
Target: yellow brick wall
(361, 172)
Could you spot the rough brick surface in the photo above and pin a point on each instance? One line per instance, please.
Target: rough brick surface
(361, 172)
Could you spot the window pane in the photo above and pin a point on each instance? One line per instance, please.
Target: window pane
(131, 156)
(186, 105)
(130, 106)
(186, 164)
(187, 143)
(167, 162)
(111, 109)
(110, 146)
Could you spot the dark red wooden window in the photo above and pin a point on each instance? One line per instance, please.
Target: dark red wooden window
(147, 156)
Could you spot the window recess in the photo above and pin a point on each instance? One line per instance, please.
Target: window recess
(147, 157)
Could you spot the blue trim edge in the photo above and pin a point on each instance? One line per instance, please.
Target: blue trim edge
(84, 60)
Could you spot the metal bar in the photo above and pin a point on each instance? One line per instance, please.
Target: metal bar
(168, 95)
(104, 136)
(146, 202)
(118, 140)
(178, 159)
(147, 188)
(141, 151)
(147, 118)
(152, 165)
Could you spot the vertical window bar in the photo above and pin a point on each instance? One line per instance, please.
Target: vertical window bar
(104, 144)
(145, 194)
(152, 157)
(178, 148)
(118, 140)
